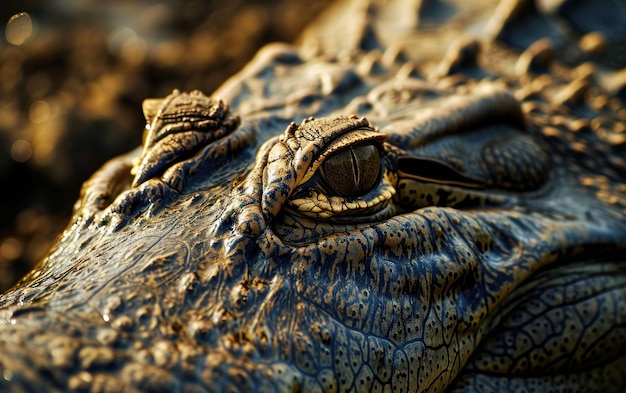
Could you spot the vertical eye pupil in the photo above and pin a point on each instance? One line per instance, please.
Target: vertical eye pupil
(352, 171)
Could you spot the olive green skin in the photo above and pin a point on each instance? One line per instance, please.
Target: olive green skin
(358, 213)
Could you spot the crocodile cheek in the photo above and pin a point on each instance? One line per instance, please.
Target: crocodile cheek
(407, 291)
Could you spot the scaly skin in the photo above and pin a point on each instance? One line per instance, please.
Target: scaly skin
(348, 216)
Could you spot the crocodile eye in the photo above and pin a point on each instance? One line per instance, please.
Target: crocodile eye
(352, 171)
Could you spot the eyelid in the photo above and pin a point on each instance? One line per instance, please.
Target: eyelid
(353, 138)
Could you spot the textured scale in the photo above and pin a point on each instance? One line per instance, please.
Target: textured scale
(418, 197)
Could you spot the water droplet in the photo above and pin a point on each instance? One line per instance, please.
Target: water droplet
(106, 317)
(21, 150)
(19, 28)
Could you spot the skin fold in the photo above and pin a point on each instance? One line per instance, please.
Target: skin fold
(414, 197)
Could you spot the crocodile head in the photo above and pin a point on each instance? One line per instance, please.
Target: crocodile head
(337, 222)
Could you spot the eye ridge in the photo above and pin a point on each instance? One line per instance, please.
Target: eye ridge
(363, 163)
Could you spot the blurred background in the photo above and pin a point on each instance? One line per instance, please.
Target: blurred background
(73, 74)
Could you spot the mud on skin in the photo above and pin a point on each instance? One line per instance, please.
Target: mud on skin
(437, 206)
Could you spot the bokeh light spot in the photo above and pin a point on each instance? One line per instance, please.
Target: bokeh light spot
(11, 248)
(39, 111)
(21, 150)
(118, 38)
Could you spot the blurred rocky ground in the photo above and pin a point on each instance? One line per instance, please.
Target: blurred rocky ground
(73, 74)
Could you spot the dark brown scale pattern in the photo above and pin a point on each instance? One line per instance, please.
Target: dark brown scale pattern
(487, 257)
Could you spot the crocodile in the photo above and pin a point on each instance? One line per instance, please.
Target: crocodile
(416, 196)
